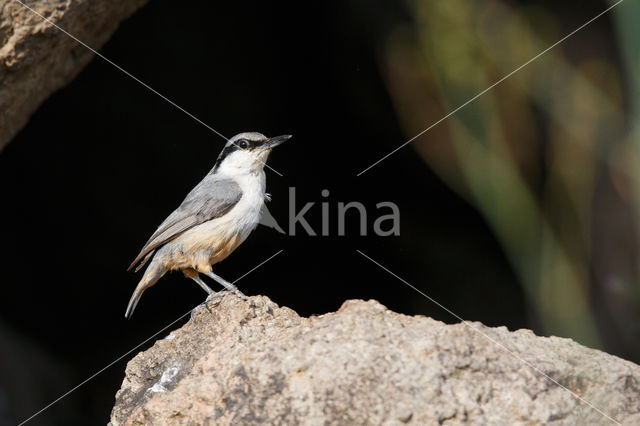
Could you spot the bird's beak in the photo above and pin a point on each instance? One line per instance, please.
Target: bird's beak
(275, 141)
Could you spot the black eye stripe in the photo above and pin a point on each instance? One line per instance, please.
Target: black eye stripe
(248, 144)
(227, 150)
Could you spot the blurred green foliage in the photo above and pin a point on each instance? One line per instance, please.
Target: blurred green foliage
(549, 156)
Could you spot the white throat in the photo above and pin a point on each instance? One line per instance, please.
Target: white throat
(240, 163)
(246, 213)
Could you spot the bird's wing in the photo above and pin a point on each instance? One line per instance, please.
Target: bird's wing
(210, 199)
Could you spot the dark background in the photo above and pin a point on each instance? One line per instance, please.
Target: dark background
(104, 161)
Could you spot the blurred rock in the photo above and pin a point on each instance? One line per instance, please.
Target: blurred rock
(252, 362)
(36, 58)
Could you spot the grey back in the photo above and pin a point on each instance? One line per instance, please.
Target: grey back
(211, 198)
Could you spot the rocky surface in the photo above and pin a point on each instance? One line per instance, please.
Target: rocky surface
(253, 362)
(36, 58)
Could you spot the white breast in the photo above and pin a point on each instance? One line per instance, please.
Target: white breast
(245, 215)
(212, 241)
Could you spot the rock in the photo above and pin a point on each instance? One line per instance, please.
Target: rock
(253, 362)
(36, 58)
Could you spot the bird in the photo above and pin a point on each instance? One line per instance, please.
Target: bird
(213, 220)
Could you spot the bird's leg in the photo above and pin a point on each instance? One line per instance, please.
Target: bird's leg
(193, 274)
(212, 295)
(229, 286)
(202, 284)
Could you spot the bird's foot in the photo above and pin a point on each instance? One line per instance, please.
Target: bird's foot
(226, 284)
(213, 297)
(195, 311)
(240, 294)
(233, 289)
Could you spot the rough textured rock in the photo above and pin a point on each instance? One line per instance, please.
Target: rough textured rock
(36, 58)
(251, 362)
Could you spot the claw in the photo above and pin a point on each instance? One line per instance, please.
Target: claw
(216, 297)
(240, 294)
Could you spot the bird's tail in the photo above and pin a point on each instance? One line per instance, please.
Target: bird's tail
(151, 276)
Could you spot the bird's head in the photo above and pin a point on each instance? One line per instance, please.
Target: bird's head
(247, 153)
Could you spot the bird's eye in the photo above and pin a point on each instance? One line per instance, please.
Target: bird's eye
(242, 143)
